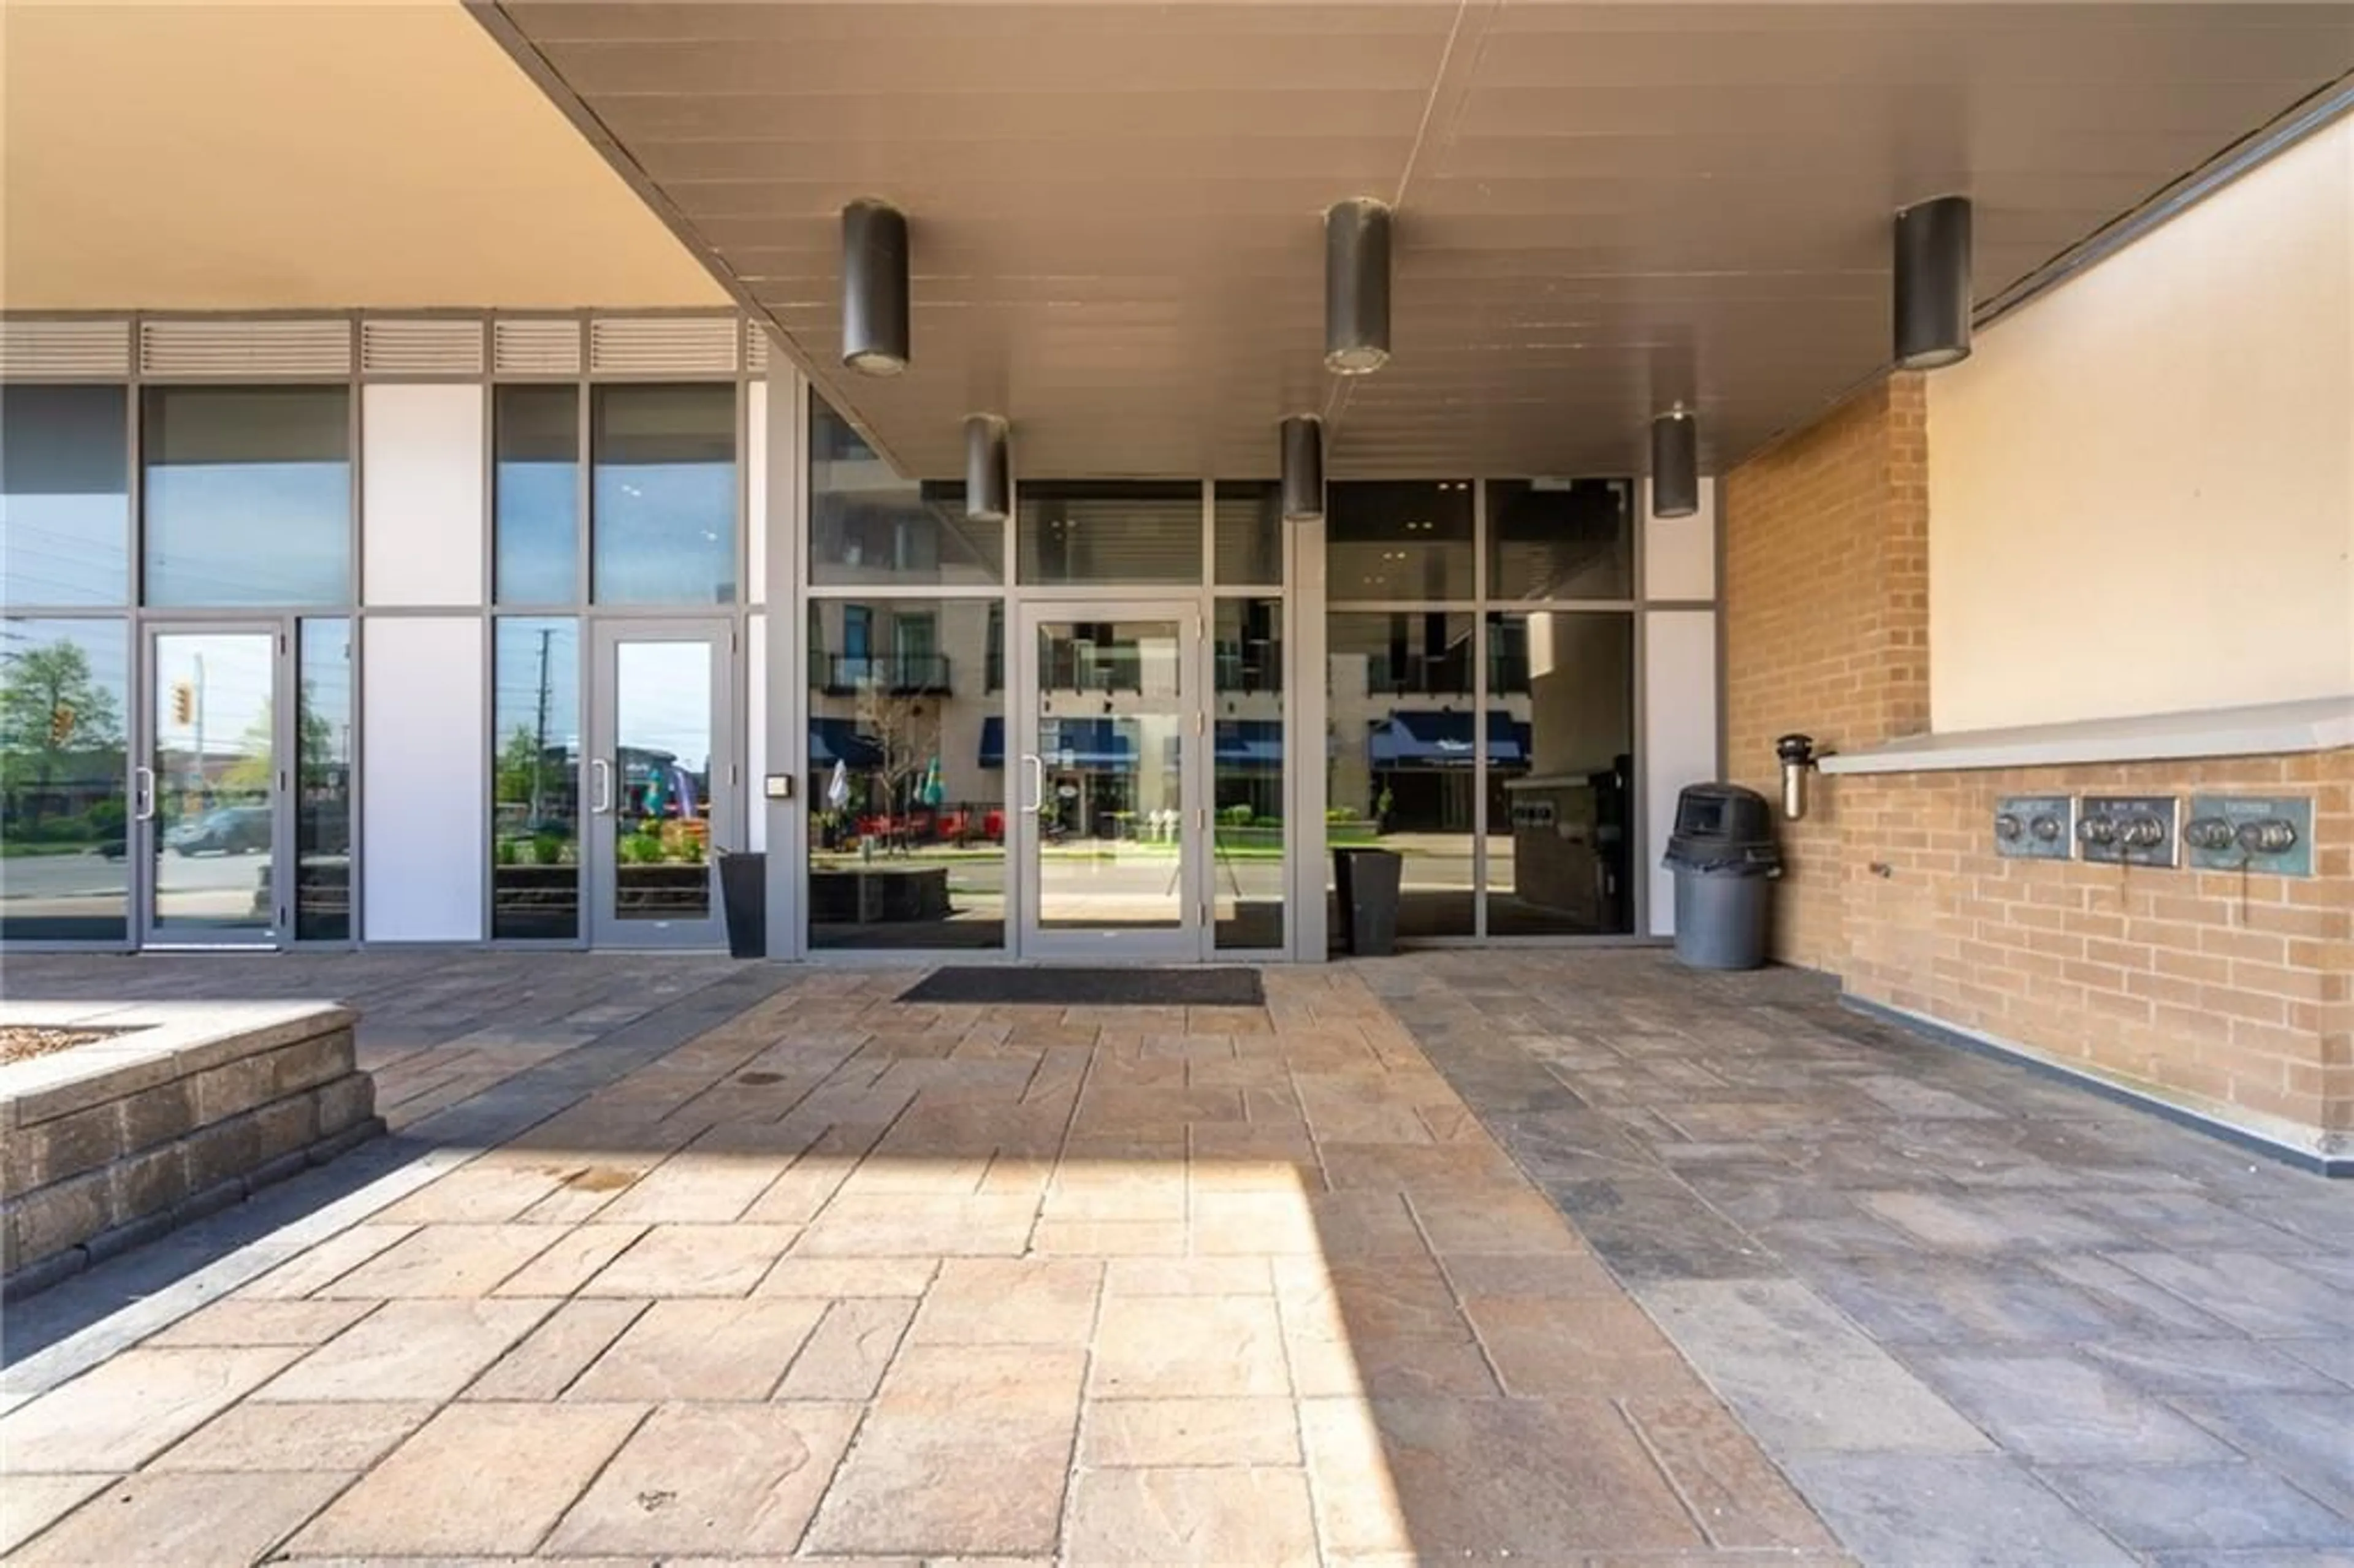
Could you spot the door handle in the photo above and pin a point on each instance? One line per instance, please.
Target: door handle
(601, 800)
(1037, 783)
(143, 794)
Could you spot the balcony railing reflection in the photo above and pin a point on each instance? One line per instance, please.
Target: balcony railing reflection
(1508, 675)
(901, 675)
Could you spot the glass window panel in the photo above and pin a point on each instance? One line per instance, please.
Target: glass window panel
(63, 691)
(537, 494)
(247, 495)
(664, 495)
(1561, 742)
(868, 525)
(663, 745)
(65, 496)
(322, 785)
(1400, 756)
(1110, 531)
(907, 778)
(216, 762)
(1248, 773)
(536, 778)
(1112, 709)
(1561, 538)
(1399, 540)
(1249, 533)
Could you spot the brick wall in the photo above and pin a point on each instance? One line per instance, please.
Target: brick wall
(1827, 622)
(2231, 993)
(2220, 989)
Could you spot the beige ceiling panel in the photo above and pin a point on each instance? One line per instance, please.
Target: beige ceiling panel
(304, 156)
(1606, 206)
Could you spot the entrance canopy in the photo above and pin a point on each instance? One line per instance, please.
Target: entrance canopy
(1601, 208)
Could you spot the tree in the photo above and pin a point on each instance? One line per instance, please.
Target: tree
(50, 707)
(905, 740)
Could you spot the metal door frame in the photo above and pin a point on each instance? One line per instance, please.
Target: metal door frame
(601, 927)
(142, 841)
(1190, 941)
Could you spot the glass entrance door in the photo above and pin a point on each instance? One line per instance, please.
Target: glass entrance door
(212, 788)
(660, 793)
(1110, 749)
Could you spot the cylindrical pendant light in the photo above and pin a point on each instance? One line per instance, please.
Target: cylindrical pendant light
(874, 288)
(1933, 283)
(1356, 287)
(1675, 465)
(988, 472)
(1303, 468)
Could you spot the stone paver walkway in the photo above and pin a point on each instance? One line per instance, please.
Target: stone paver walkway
(1977, 1315)
(771, 1265)
(673, 1259)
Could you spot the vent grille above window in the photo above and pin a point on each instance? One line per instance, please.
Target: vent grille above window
(665, 345)
(756, 349)
(31, 351)
(216, 348)
(535, 348)
(420, 349)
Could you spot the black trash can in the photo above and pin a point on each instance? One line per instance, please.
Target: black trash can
(1367, 881)
(744, 898)
(1724, 860)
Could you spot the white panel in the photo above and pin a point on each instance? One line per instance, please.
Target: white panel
(423, 779)
(756, 483)
(756, 746)
(1679, 732)
(1680, 552)
(421, 495)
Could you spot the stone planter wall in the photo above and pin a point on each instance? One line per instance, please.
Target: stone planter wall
(187, 1111)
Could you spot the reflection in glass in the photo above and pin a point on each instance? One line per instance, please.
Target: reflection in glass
(1560, 774)
(1249, 533)
(867, 526)
(64, 689)
(538, 500)
(1401, 756)
(1398, 539)
(908, 775)
(215, 755)
(322, 783)
(247, 495)
(662, 780)
(535, 780)
(1109, 776)
(65, 496)
(1561, 538)
(665, 496)
(1109, 531)
(1247, 901)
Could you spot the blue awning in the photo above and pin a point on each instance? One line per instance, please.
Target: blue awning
(1425, 738)
(1093, 746)
(993, 742)
(1250, 743)
(833, 740)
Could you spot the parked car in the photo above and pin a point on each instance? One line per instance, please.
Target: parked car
(232, 830)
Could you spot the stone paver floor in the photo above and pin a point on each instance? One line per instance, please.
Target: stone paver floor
(672, 1259)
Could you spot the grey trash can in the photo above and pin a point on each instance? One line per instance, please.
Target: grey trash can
(1724, 860)
(1367, 881)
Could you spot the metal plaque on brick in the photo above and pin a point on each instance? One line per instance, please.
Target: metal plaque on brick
(2126, 830)
(2034, 827)
(2271, 835)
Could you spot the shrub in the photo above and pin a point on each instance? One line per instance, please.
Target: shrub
(547, 849)
(1237, 815)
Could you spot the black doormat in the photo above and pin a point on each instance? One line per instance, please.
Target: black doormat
(1003, 984)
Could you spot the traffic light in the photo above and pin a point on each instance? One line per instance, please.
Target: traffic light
(61, 724)
(184, 703)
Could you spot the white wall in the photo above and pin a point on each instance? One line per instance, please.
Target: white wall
(424, 770)
(421, 466)
(1679, 733)
(2141, 486)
